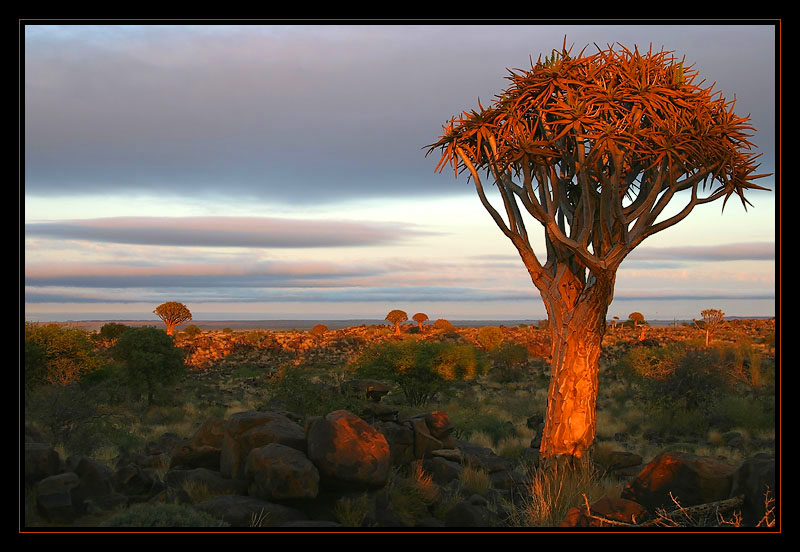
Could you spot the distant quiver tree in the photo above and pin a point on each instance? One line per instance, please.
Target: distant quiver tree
(712, 319)
(637, 318)
(420, 318)
(594, 148)
(173, 314)
(396, 317)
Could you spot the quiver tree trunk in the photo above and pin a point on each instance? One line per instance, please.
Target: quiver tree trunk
(577, 325)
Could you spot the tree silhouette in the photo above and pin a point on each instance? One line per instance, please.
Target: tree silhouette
(173, 313)
(594, 148)
(396, 317)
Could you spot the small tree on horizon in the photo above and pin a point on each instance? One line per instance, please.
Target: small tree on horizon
(172, 314)
(637, 318)
(712, 320)
(396, 317)
(419, 318)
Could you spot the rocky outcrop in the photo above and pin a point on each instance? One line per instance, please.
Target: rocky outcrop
(681, 477)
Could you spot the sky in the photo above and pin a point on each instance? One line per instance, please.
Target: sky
(274, 171)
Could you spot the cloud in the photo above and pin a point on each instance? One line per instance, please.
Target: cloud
(258, 232)
(299, 114)
(753, 251)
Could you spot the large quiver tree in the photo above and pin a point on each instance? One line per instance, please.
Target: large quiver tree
(594, 148)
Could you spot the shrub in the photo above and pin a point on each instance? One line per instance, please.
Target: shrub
(58, 355)
(163, 515)
(150, 358)
(420, 368)
(444, 325)
(294, 387)
(509, 362)
(490, 337)
(112, 331)
(192, 331)
(318, 330)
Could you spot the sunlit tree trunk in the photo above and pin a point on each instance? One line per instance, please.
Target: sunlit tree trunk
(577, 325)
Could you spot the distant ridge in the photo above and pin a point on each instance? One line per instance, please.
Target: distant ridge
(304, 325)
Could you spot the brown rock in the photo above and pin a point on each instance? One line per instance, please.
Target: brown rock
(690, 479)
(424, 442)
(614, 509)
(439, 424)
(248, 430)
(210, 434)
(347, 450)
(279, 472)
(40, 461)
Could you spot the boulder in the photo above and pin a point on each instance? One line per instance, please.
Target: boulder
(210, 433)
(248, 511)
(483, 458)
(278, 472)
(54, 497)
(136, 482)
(192, 456)
(347, 450)
(614, 509)
(368, 388)
(752, 479)
(442, 470)
(41, 461)
(95, 481)
(245, 431)
(439, 424)
(401, 441)
(690, 479)
(467, 514)
(424, 442)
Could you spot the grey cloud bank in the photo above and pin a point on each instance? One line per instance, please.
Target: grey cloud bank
(258, 232)
(305, 114)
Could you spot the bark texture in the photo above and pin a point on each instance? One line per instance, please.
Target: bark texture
(577, 322)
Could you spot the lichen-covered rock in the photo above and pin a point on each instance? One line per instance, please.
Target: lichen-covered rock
(244, 431)
(753, 479)
(278, 472)
(687, 478)
(347, 450)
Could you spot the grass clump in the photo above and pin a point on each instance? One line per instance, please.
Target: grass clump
(414, 495)
(553, 492)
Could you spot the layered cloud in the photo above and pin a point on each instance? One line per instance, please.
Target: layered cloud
(305, 114)
(753, 251)
(258, 232)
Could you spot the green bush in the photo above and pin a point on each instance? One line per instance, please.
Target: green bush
(490, 337)
(58, 355)
(420, 368)
(151, 359)
(296, 389)
(110, 331)
(510, 361)
(163, 515)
